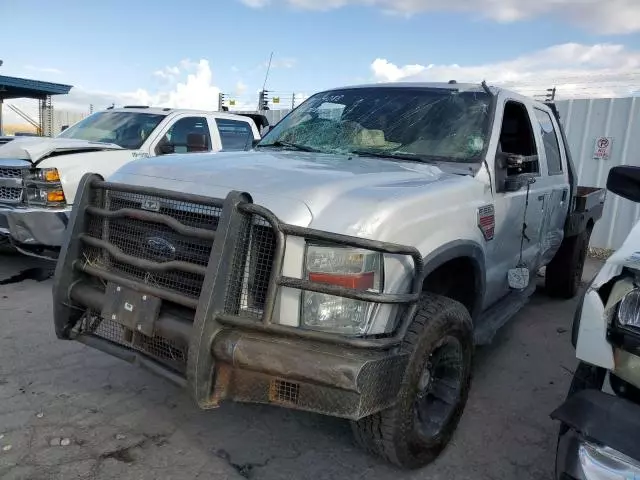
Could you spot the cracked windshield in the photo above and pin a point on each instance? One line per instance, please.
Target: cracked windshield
(413, 124)
(320, 240)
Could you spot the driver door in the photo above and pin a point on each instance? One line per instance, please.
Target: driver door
(514, 206)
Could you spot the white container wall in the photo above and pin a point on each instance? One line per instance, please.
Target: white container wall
(615, 121)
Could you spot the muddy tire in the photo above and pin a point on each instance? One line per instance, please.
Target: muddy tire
(434, 390)
(564, 272)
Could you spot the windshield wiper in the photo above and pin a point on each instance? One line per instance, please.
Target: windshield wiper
(294, 146)
(395, 156)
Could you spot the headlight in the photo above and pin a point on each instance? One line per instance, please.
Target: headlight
(345, 267)
(605, 463)
(629, 309)
(42, 187)
(44, 175)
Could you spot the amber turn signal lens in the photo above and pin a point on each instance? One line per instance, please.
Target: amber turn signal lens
(52, 175)
(55, 196)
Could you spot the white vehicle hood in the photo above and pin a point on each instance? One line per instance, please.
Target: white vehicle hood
(34, 149)
(337, 190)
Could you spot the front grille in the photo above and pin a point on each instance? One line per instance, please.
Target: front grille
(10, 193)
(158, 242)
(9, 172)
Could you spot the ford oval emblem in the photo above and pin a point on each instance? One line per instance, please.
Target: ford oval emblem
(160, 247)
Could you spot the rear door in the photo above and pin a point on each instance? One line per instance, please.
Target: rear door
(554, 186)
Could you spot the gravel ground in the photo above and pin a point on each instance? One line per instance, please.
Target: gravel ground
(69, 412)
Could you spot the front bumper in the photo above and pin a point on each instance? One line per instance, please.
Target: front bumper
(258, 367)
(34, 226)
(207, 342)
(601, 442)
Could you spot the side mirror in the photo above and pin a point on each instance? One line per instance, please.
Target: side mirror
(166, 148)
(63, 128)
(625, 181)
(255, 142)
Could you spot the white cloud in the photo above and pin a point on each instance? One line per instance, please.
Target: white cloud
(52, 70)
(577, 70)
(191, 86)
(610, 16)
(285, 62)
(168, 73)
(240, 87)
(256, 3)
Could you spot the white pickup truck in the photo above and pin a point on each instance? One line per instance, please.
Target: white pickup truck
(346, 265)
(39, 176)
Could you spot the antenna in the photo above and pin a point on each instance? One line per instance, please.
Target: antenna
(267, 74)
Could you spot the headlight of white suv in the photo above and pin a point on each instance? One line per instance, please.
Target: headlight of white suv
(345, 267)
(629, 309)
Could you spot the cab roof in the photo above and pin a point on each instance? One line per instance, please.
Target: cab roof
(461, 87)
(168, 111)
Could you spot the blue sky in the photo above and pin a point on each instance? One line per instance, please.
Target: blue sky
(128, 50)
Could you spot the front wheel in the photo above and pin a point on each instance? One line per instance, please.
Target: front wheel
(434, 390)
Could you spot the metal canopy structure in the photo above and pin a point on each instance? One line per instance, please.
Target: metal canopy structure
(14, 87)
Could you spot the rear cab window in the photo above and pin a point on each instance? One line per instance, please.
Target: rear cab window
(550, 142)
(234, 134)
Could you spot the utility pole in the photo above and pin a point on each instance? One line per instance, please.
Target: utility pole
(551, 94)
(293, 100)
(263, 100)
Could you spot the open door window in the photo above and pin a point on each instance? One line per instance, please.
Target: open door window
(517, 162)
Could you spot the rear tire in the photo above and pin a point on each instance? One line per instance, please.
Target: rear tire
(434, 390)
(564, 272)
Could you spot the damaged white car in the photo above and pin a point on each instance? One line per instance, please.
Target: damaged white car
(39, 176)
(601, 417)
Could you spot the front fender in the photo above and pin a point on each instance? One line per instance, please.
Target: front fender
(72, 167)
(460, 249)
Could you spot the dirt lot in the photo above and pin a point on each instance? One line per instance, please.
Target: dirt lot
(69, 412)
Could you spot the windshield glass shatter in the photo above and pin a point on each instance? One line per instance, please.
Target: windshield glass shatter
(418, 124)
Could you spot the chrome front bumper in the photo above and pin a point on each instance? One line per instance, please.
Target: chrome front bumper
(34, 226)
(599, 441)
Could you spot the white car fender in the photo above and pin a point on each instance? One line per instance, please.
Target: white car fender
(73, 167)
(592, 345)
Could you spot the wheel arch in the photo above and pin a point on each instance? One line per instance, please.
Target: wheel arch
(458, 253)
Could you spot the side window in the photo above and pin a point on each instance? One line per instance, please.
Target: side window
(551, 144)
(234, 134)
(517, 139)
(189, 134)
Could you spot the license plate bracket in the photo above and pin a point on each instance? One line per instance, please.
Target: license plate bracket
(130, 308)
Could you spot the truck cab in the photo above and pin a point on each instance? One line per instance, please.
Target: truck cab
(39, 176)
(347, 265)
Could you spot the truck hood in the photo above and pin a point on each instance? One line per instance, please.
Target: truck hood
(35, 149)
(334, 188)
